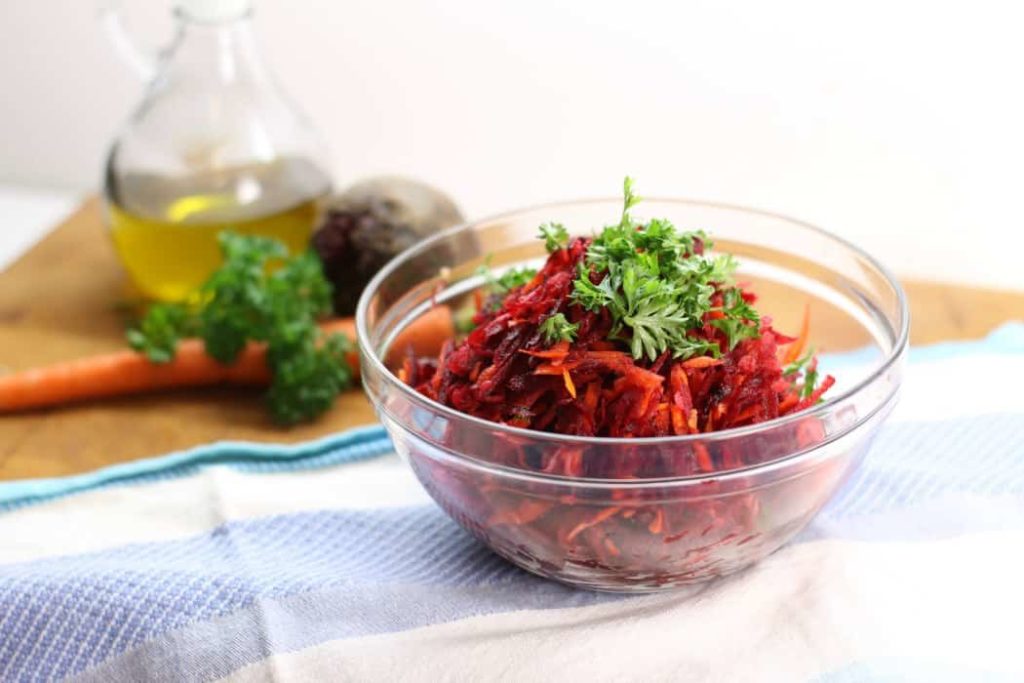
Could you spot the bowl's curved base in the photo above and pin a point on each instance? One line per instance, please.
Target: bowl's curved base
(626, 578)
(641, 538)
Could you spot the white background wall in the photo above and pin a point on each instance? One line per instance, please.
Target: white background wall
(896, 124)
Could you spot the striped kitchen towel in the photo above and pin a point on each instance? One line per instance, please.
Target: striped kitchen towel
(328, 562)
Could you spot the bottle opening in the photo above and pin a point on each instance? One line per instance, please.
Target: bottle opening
(213, 11)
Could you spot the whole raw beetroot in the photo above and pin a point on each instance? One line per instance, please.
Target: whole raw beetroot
(371, 222)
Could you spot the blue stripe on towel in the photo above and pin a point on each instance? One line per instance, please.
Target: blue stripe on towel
(211, 649)
(913, 462)
(55, 614)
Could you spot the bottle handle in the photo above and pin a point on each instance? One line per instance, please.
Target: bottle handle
(145, 63)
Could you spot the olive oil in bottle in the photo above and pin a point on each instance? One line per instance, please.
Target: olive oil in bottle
(165, 229)
(214, 145)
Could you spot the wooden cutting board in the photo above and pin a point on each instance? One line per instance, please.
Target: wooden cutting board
(61, 301)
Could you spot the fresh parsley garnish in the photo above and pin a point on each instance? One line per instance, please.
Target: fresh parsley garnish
(797, 366)
(246, 301)
(511, 279)
(498, 286)
(557, 328)
(555, 236)
(507, 281)
(741, 321)
(630, 198)
(658, 287)
(810, 382)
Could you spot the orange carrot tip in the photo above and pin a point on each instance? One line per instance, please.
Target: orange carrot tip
(702, 362)
(797, 347)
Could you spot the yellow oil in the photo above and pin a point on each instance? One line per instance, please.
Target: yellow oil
(165, 229)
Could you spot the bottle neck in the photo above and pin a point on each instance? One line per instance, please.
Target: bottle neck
(211, 11)
(223, 49)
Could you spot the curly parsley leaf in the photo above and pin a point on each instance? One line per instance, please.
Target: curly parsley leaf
(555, 236)
(159, 331)
(246, 300)
(501, 285)
(497, 287)
(741, 321)
(658, 285)
(511, 279)
(810, 381)
(658, 326)
(308, 376)
(557, 328)
(629, 199)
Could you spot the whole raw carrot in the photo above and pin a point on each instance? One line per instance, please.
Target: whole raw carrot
(127, 372)
(423, 336)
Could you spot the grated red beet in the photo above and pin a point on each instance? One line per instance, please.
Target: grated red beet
(505, 371)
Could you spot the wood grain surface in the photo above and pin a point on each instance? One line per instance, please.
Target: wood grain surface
(64, 299)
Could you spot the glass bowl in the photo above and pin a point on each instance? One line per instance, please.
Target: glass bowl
(746, 491)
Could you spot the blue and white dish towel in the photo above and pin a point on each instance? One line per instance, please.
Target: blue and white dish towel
(328, 562)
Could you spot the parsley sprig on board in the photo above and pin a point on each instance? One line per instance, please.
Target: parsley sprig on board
(244, 301)
(657, 288)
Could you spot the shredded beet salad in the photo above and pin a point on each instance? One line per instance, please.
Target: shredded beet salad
(637, 331)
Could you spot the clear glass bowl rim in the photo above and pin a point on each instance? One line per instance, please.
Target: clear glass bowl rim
(894, 354)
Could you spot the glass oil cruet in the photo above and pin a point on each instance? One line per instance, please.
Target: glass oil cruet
(214, 145)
